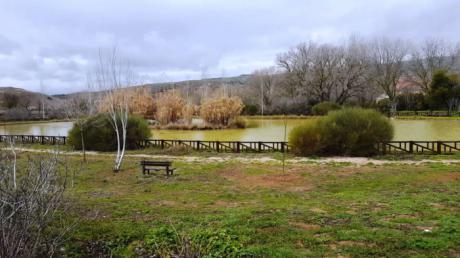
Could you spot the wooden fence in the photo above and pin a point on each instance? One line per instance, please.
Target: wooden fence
(40, 139)
(219, 146)
(428, 113)
(391, 147)
(419, 147)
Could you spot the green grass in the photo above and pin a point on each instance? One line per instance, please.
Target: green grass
(308, 211)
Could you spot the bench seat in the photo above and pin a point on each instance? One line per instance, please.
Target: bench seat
(148, 166)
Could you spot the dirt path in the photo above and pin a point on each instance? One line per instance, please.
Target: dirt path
(357, 161)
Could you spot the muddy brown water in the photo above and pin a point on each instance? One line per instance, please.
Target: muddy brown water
(259, 130)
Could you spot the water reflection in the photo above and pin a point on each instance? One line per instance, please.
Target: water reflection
(52, 128)
(259, 130)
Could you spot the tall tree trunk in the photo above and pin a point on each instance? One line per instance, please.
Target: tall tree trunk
(83, 144)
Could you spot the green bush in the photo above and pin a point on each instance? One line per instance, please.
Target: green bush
(305, 139)
(383, 106)
(350, 131)
(99, 135)
(323, 108)
(250, 109)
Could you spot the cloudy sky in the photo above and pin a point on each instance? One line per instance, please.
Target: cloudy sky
(58, 41)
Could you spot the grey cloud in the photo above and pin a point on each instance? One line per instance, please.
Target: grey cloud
(7, 46)
(176, 40)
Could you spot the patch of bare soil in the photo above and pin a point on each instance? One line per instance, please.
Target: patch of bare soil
(289, 181)
(222, 203)
(305, 226)
(446, 177)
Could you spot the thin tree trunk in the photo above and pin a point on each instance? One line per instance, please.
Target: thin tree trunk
(83, 144)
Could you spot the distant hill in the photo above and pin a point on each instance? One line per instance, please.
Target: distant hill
(231, 81)
(27, 98)
(20, 104)
(235, 81)
(33, 99)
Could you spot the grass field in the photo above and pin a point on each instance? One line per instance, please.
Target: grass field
(256, 209)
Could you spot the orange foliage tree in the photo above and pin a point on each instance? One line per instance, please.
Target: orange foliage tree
(221, 111)
(170, 106)
(140, 101)
(189, 111)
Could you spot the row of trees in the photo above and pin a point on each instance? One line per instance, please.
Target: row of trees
(170, 107)
(358, 71)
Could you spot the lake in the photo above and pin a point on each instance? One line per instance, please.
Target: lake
(259, 130)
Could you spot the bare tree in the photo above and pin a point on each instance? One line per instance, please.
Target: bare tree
(324, 71)
(80, 108)
(262, 84)
(426, 59)
(351, 77)
(29, 204)
(10, 100)
(296, 64)
(112, 76)
(386, 60)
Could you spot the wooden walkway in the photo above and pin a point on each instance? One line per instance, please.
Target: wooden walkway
(391, 147)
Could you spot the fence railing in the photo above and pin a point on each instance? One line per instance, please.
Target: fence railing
(40, 139)
(390, 147)
(419, 147)
(219, 146)
(440, 113)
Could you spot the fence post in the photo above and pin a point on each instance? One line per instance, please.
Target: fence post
(411, 146)
(259, 147)
(439, 144)
(217, 146)
(282, 146)
(238, 147)
(43, 139)
(198, 143)
(162, 143)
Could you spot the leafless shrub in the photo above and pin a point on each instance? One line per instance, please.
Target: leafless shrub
(30, 202)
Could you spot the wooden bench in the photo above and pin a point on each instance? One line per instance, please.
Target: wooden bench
(148, 166)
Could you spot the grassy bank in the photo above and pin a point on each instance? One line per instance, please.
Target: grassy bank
(33, 121)
(257, 209)
(279, 117)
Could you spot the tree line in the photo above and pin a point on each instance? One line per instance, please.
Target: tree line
(358, 72)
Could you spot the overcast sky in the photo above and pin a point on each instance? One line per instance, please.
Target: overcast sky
(58, 41)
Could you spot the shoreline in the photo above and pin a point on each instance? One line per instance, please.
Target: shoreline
(35, 121)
